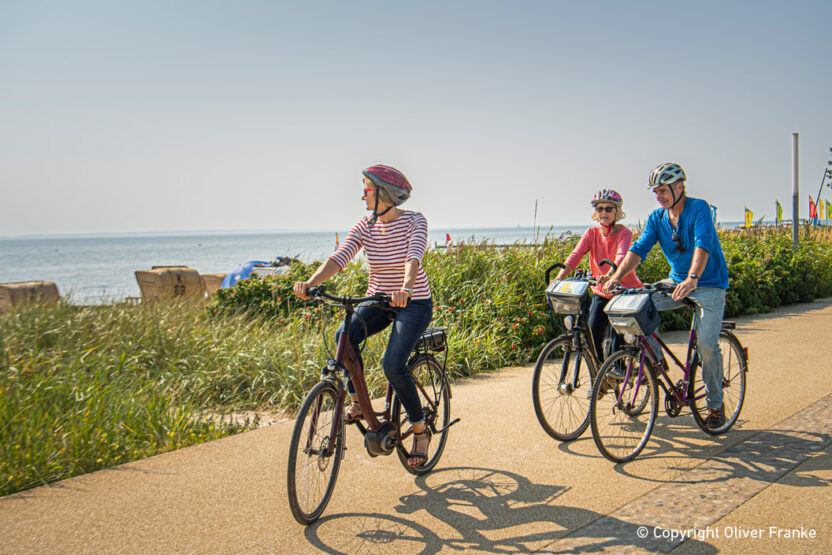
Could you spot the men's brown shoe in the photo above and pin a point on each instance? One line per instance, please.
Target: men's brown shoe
(716, 418)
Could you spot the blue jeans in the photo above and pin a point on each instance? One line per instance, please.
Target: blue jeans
(707, 325)
(409, 323)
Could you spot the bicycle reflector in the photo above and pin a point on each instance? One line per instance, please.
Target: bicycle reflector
(635, 314)
(568, 296)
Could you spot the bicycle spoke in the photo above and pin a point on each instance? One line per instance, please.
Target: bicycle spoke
(313, 460)
(434, 397)
(561, 405)
(733, 385)
(620, 425)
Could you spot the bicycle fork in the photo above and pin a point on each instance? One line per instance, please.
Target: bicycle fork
(568, 352)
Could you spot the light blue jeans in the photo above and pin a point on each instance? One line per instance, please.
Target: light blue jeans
(707, 325)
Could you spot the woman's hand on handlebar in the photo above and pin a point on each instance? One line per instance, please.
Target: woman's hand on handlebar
(399, 298)
(299, 289)
(608, 283)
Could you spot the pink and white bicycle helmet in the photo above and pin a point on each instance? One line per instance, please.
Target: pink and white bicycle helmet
(607, 195)
(391, 181)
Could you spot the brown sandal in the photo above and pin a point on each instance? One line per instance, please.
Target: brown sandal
(351, 417)
(422, 454)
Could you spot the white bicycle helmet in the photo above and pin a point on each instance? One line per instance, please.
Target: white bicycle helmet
(666, 174)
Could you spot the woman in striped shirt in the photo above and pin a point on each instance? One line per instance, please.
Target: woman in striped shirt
(394, 242)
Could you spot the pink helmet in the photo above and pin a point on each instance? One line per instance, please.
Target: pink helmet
(391, 180)
(607, 195)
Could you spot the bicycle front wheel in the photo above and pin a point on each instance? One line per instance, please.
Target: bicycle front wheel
(435, 397)
(734, 368)
(561, 389)
(314, 454)
(621, 426)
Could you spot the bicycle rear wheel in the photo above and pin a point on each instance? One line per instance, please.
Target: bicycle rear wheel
(734, 368)
(561, 389)
(620, 425)
(435, 397)
(313, 459)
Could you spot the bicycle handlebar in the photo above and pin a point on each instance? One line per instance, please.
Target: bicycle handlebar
(603, 261)
(659, 287)
(320, 291)
(552, 267)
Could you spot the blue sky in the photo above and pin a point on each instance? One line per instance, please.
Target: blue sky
(187, 115)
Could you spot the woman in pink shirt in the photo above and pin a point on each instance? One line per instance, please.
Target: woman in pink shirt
(394, 241)
(609, 240)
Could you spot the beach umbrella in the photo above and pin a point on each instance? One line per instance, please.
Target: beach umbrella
(242, 271)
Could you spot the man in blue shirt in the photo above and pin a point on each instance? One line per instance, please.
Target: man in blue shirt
(685, 231)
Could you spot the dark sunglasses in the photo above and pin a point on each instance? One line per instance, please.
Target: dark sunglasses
(678, 240)
(604, 208)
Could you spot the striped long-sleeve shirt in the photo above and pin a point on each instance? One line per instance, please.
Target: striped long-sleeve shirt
(387, 247)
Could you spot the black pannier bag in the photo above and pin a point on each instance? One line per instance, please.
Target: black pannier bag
(634, 314)
(568, 296)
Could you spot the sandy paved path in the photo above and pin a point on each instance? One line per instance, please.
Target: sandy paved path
(502, 485)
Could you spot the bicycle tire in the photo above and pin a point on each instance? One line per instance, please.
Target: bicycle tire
(436, 406)
(734, 369)
(312, 467)
(562, 408)
(619, 432)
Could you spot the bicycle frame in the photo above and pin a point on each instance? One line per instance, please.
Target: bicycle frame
(347, 361)
(581, 334)
(582, 341)
(351, 367)
(684, 398)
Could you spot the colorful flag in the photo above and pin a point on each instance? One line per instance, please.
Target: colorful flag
(447, 237)
(336, 240)
(749, 217)
(779, 211)
(828, 210)
(813, 210)
(820, 210)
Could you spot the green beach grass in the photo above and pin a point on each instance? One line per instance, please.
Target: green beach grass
(85, 388)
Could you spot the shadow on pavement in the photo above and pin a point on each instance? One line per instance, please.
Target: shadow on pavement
(481, 509)
(678, 446)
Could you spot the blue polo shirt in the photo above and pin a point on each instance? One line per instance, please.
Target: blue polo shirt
(696, 229)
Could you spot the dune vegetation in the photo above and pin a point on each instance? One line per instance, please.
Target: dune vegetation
(84, 388)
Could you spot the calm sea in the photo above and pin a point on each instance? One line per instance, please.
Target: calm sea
(99, 268)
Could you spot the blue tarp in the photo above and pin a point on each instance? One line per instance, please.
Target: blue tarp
(242, 271)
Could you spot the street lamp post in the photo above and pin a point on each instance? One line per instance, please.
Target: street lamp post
(795, 192)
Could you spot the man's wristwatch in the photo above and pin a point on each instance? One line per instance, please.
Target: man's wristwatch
(693, 275)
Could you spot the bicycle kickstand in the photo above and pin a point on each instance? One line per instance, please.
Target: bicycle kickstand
(451, 423)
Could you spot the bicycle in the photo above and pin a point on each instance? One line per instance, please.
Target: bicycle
(566, 367)
(318, 439)
(620, 429)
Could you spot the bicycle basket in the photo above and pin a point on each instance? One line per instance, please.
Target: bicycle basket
(433, 339)
(568, 296)
(635, 314)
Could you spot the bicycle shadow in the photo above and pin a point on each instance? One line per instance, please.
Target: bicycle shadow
(761, 455)
(481, 509)
(677, 446)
